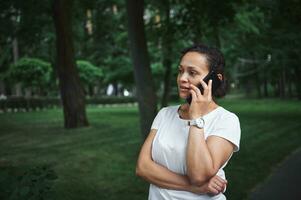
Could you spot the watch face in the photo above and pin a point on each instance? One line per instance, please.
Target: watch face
(200, 122)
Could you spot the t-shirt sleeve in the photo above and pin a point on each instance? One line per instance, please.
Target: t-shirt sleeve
(228, 127)
(158, 119)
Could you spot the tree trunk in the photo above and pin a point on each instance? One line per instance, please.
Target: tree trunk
(72, 93)
(276, 89)
(2, 88)
(8, 90)
(248, 87)
(18, 86)
(282, 84)
(257, 77)
(15, 50)
(91, 91)
(166, 51)
(115, 89)
(290, 89)
(143, 78)
(167, 80)
(258, 85)
(265, 84)
(298, 81)
(28, 92)
(96, 90)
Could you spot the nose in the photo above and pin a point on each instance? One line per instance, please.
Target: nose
(183, 77)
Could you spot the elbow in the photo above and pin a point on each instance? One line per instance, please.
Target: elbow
(199, 179)
(140, 170)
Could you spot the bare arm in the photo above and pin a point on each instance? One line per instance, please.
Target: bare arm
(162, 177)
(204, 158)
(155, 173)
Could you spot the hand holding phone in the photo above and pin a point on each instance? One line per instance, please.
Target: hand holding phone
(216, 82)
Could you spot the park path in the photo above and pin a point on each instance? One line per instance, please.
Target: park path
(284, 183)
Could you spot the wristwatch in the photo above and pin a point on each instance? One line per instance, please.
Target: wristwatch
(198, 122)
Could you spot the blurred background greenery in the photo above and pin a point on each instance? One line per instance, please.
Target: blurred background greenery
(78, 78)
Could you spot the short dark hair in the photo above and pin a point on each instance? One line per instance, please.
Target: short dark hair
(215, 60)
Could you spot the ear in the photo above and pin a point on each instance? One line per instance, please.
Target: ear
(220, 76)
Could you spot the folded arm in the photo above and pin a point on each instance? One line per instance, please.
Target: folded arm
(205, 157)
(163, 177)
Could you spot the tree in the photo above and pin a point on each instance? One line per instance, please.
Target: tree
(167, 29)
(23, 34)
(72, 93)
(247, 33)
(285, 44)
(89, 75)
(145, 91)
(264, 41)
(32, 73)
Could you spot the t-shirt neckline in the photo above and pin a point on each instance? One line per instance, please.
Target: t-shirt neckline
(205, 116)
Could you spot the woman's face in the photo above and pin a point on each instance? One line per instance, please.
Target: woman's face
(192, 69)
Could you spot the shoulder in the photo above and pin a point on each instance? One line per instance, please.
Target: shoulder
(228, 127)
(228, 115)
(227, 120)
(168, 110)
(164, 114)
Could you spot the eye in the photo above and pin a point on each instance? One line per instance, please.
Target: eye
(180, 71)
(192, 73)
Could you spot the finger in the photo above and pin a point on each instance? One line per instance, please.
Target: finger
(205, 87)
(204, 84)
(212, 190)
(221, 179)
(220, 184)
(196, 89)
(193, 94)
(210, 88)
(217, 187)
(224, 189)
(216, 177)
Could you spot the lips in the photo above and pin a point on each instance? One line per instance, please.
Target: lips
(183, 88)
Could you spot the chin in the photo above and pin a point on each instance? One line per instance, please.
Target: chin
(183, 96)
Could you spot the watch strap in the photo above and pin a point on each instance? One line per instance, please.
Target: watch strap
(193, 122)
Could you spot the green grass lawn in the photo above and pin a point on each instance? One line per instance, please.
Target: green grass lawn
(98, 162)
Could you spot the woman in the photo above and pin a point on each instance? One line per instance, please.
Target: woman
(189, 145)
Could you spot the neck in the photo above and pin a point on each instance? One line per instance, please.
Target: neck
(184, 109)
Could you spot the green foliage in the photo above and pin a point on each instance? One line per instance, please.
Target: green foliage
(19, 20)
(32, 104)
(35, 184)
(110, 100)
(89, 73)
(242, 29)
(28, 104)
(249, 21)
(118, 69)
(31, 72)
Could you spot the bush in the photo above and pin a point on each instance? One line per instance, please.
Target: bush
(21, 103)
(31, 72)
(27, 104)
(110, 100)
(89, 74)
(34, 184)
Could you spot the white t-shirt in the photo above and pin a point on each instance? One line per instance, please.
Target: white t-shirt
(169, 146)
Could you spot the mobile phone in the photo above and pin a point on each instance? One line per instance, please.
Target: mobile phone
(216, 82)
